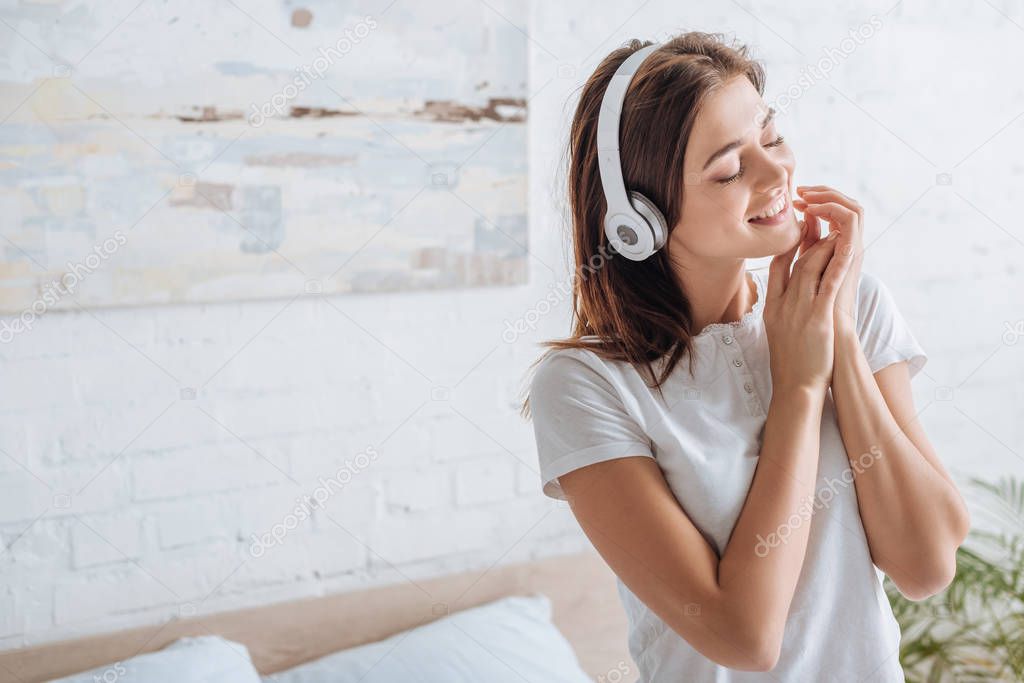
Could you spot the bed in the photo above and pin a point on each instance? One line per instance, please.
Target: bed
(581, 588)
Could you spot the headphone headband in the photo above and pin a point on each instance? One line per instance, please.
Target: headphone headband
(609, 163)
(632, 223)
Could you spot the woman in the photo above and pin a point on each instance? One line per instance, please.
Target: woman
(749, 499)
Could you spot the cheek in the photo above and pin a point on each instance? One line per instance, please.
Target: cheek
(713, 215)
(788, 160)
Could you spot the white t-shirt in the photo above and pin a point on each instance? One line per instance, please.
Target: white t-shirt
(706, 437)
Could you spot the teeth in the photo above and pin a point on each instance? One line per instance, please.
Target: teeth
(775, 208)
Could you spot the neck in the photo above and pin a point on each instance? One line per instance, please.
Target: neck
(717, 294)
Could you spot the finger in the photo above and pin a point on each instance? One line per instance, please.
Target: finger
(834, 275)
(819, 244)
(813, 225)
(849, 236)
(838, 216)
(830, 195)
(804, 189)
(778, 274)
(809, 268)
(825, 191)
(846, 245)
(811, 234)
(853, 235)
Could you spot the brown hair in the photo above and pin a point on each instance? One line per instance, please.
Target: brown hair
(637, 310)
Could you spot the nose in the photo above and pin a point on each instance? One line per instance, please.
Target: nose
(772, 174)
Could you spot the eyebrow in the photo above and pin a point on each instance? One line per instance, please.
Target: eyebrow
(736, 143)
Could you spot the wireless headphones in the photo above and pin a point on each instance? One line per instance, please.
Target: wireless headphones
(633, 224)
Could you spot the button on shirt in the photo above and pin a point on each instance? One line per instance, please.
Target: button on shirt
(706, 438)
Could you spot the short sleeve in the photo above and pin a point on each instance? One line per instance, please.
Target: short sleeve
(578, 419)
(884, 334)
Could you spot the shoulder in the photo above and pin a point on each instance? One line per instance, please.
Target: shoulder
(579, 374)
(562, 367)
(870, 285)
(885, 335)
(874, 300)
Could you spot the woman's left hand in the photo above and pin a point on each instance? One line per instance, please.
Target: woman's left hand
(846, 217)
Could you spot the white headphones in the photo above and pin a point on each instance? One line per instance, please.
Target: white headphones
(633, 224)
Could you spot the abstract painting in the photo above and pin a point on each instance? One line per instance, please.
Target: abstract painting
(322, 147)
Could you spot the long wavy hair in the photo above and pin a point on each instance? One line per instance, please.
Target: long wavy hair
(637, 311)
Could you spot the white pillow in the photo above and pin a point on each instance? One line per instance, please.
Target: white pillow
(511, 640)
(209, 659)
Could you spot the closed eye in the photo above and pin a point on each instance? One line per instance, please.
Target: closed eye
(739, 174)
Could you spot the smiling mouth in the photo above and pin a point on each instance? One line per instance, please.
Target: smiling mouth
(775, 213)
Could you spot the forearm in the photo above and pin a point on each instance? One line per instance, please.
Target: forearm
(760, 566)
(911, 511)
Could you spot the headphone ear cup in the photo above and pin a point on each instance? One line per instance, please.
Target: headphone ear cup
(646, 208)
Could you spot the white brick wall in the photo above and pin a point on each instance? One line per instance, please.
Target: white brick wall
(122, 503)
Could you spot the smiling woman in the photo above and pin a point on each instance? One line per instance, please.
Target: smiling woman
(723, 498)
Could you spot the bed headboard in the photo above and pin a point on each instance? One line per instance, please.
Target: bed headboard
(581, 588)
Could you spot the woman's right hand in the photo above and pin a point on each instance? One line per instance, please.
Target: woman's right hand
(798, 313)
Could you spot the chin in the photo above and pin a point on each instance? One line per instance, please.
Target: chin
(790, 235)
(780, 240)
